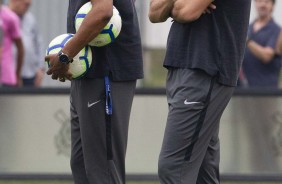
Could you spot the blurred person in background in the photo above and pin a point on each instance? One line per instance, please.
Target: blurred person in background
(279, 44)
(11, 71)
(1, 38)
(33, 67)
(262, 64)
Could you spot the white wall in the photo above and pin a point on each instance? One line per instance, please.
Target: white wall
(51, 16)
(37, 140)
(155, 35)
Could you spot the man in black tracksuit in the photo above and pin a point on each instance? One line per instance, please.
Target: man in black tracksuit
(99, 115)
(204, 54)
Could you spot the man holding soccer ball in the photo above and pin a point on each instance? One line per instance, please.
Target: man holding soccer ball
(204, 53)
(101, 100)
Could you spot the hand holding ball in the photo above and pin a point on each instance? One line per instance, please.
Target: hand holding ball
(81, 62)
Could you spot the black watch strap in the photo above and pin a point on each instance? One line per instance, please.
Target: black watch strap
(64, 58)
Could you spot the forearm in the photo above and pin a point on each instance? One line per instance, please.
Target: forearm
(0, 56)
(39, 77)
(92, 25)
(160, 10)
(20, 56)
(279, 46)
(188, 11)
(264, 54)
(19, 65)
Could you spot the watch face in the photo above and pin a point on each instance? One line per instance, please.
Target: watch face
(64, 58)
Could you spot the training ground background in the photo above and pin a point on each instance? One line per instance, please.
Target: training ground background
(33, 133)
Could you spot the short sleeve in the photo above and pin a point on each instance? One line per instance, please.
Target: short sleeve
(15, 27)
(273, 38)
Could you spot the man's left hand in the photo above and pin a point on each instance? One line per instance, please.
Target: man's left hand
(209, 9)
(58, 69)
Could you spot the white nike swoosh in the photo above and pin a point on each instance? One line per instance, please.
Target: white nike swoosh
(90, 105)
(189, 103)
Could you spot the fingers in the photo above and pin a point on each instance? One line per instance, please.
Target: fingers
(47, 58)
(206, 11)
(49, 71)
(62, 80)
(212, 6)
(60, 77)
(55, 77)
(68, 76)
(209, 9)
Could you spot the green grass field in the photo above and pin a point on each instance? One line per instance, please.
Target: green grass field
(130, 182)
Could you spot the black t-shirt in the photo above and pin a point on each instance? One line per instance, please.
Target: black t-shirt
(214, 43)
(123, 57)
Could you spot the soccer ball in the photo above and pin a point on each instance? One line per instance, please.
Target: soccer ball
(110, 31)
(81, 62)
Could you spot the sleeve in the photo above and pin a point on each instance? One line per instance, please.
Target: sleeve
(273, 38)
(15, 27)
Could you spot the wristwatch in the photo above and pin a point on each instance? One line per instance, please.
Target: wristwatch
(64, 58)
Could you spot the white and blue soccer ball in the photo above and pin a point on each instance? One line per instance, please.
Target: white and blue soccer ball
(81, 62)
(110, 31)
